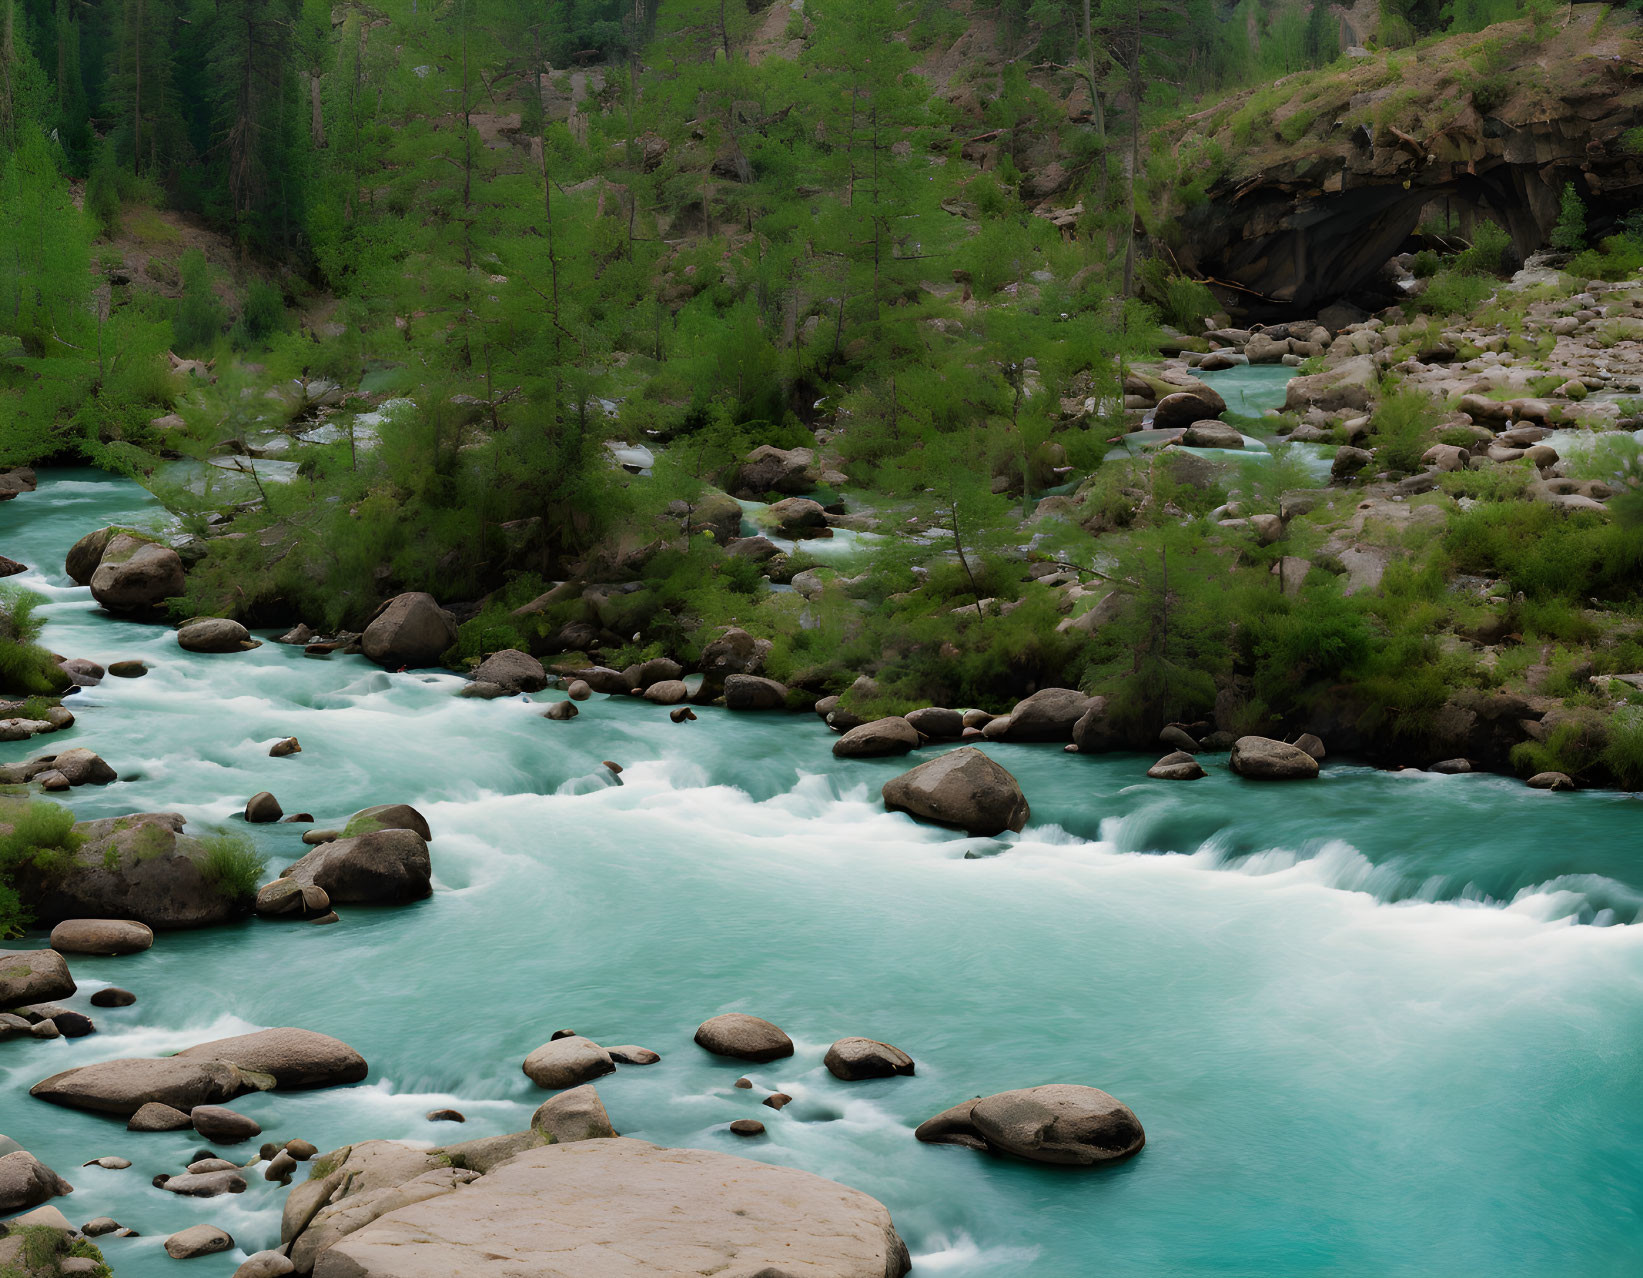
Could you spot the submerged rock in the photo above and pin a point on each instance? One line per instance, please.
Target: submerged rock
(594, 1208)
(1059, 1123)
(1263, 759)
(963, 788)
(744, 1037)
(852, 1059)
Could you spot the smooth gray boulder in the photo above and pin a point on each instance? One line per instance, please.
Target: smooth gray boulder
(80, 766)
(513, 671)
(387, 816)
(385, 867)
(1263, 759)
(209, 1184)
(1212, 434)
(294, 1058)
(27, 1182)
(964, 789)
(770, 469)
(263, 808)
(101, 936)
(577, 1114)
(214, 634)
(33, 976)
(602, 1208)
(568, 1062)
(1061, 1123)
(1179, 766)
(667, 692)
(936, 723)
(155, 1117)
(410, 630)
(85, 554)
(852, 1059)
(877, 739)
(754, 692)
(125, 1086)
(198, 1240)
(266, 1264)
(1050, 714)
(744, 1037)
(223, 1126)
(135, 575)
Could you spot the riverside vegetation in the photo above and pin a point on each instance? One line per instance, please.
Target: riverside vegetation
(1256, 378)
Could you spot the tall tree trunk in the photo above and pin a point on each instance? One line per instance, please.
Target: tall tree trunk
(1098, 115)
(137, 94)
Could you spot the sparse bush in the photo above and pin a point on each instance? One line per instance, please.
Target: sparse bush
(1401, 428)
(1569, 235)
(233, 866)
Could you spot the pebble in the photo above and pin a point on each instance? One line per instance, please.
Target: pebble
(446, 1116)
(110, 1161)
(776, 1100)
(747, 1127)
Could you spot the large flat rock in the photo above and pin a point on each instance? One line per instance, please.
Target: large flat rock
(625, 1208)
(124, 1086)
(293, 1057)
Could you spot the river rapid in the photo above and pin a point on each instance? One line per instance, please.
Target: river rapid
(1383, 1024)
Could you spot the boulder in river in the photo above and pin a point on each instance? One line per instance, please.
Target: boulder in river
(735, 652)
(387, 816)
(936, 723)
(155, 1117)
(1060, 1123)
(128, 669)
(513, 671)
(223, 1126)
(753, 692)
(964, 789)
(1184, 407)
(1263, 759)
(410, 630)
(263, 808)
(125, 1086)
(594, 1208)
(207, 1184)
(265, 1264)
(101, 936)
(136, 575)
(85, 554)
(1050, 714)
(568, 1062)
(286, 898)
(667, 692)
(563, 711)
(27, 1182)
(744, 1037)
(768, 469)
(113, 996)
(198, 1240)
(140, 867)
(80, 766)
(1212, 434)
(1551, 781)
(877, 739)
(33, 976)
(214, 634)
(852, 1059)
(385, 867)
(577, 1114)
(294, 1058)
(797, 518)
(284, 747)
(1179, 766)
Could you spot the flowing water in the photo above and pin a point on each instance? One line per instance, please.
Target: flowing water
(1381, 1024)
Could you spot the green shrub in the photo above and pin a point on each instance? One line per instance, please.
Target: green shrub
(233, 866)
(1454, 293)
(200, 317)
(1569, 235)
(41, 836)
(1620, 258)
(1623, 753)
(1401, 428)
(261, 317)
(26, 669)
(1486, 252)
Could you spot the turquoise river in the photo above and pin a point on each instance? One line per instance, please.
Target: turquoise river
(1384, 1024)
